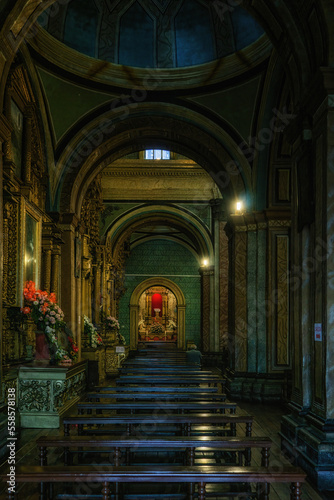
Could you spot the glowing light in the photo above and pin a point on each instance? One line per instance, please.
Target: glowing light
(205, 262)
(239, 206)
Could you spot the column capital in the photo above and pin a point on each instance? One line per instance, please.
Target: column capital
(206, 270)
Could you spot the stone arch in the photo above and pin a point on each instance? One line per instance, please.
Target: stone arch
(167, 214)
(147, 125)
(134, 308)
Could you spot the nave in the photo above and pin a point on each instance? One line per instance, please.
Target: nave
(109, 410)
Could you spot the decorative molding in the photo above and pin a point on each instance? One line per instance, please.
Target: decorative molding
(34, 395)
(153, 173)
(239, 258)
(282, 306)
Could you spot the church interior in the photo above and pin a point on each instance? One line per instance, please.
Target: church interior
(167, 179)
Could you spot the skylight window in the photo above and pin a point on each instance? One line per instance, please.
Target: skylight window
(157, 154)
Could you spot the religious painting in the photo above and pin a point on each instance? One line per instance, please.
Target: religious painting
(17, 136)
(30, 249)
(30, 246)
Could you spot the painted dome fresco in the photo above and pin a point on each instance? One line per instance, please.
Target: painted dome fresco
(152, 33)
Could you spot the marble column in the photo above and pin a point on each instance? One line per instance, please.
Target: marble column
(258, 322)
(308, 430)
(207, 282)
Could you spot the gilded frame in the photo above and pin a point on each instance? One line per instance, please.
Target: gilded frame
(30, 247)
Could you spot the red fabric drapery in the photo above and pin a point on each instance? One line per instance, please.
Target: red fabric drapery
(156, 303)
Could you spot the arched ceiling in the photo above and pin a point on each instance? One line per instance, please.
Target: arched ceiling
(145, 222)
(152, 33)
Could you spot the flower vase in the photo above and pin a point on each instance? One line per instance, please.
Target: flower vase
(44, 352)
(110, 336)
(42, 348)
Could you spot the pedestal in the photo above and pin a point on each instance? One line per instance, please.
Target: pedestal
(309, 443)
(46, 392)
(96, 354)
(114, 356)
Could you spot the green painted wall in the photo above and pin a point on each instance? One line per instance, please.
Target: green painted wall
(68, 102)
(170, 260)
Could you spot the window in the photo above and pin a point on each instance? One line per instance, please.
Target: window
(157, 154)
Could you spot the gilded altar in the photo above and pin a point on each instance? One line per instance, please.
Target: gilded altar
(157, 315)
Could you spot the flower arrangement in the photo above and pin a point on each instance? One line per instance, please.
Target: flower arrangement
(111, 323)
(156, 328)
(93, 335)
(41, 306)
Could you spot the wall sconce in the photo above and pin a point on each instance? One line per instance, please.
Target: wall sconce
(239, 207)
(205, 262)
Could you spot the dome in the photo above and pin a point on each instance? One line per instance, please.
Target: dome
(152, 33)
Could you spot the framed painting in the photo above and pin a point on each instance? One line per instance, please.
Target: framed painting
(30, 248)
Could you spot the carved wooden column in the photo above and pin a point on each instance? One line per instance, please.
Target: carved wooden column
(4, 136)
(207, 276)
(181, 326)
(223, 288)
(112, 293)
(237, 232)
(69, 297)
(47, 245)
(27, 146)
(55, 267)
(8, 164)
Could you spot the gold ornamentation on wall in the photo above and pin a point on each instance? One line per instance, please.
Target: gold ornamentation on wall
(223, 287)
(11, 209)
(240, 300)
(282, 308)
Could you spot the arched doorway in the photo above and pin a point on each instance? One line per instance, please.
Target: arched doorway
(151, 285)
(157, 315)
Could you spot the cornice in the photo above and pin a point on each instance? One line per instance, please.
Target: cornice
(116, 75)
(153, 173)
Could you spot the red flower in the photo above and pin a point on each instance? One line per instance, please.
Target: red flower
(25, 310)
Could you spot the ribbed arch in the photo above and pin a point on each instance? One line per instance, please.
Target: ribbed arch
(170, 215)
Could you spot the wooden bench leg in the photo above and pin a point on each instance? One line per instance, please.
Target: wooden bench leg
(265, 452)
(106, 491)
(295, 491)
(262, 491)
(43, 460)
(201, 491)
(42, 494)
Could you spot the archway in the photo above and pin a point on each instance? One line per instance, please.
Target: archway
(158, 316)
(134, 308)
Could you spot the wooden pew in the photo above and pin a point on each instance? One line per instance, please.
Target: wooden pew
(161, 370)
(188, 443)
(159, 396)
(186, 422)
(153, 389)
(202, 475)
(171, 380)
(166, 406)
